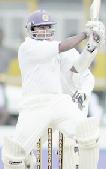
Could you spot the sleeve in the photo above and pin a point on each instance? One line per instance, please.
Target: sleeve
(68, 59)
(84, 81)
(85, 60)
(89, 81)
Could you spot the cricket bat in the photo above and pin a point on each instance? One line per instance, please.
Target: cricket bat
(95, 10)
(94, 16)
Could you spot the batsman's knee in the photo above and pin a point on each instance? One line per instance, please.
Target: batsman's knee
(13, 155)
(87, 133)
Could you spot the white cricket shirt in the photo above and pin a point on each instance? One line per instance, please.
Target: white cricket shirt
(40, 66)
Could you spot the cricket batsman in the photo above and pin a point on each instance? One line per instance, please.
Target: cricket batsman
(43, 102)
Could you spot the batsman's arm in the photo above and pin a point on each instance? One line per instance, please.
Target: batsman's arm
(86, 57)
(71, 42)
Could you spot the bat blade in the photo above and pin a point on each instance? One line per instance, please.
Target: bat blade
(94, 9)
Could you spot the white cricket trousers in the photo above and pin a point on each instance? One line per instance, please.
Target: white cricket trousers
(38, 112)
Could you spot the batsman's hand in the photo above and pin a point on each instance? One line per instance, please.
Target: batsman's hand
(98, 30)
(79, 98)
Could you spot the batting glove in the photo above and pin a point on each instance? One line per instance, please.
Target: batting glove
(79, 98)
(98, 30)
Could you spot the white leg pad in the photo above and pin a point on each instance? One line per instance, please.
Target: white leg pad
(70, 158)
(88, 138)
(13, 155)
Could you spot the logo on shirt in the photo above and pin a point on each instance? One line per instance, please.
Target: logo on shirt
(45, 17)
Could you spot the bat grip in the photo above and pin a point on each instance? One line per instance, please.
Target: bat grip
(92, 43)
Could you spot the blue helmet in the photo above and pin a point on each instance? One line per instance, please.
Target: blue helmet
(37, 19)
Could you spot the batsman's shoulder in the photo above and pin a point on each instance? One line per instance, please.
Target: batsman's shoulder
(22, 46)
(21, 49)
